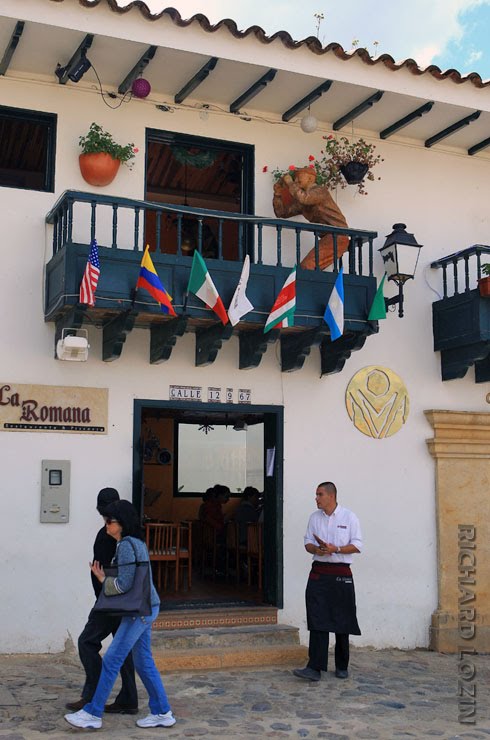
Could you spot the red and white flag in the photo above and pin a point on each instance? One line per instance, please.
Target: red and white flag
(282, 312)
(88, 286)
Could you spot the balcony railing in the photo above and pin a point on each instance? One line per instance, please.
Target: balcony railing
(122, 228)
(251, 230)
(461, 318)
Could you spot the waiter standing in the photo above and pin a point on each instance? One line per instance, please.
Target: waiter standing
(333, 535)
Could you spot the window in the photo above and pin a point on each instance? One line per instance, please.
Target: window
(27, 149)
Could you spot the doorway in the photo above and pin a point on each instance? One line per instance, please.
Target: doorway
(197, 172)
(183, 449)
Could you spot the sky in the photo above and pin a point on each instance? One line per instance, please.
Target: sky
(449, 33)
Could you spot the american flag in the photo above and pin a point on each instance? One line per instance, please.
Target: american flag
(88, 286)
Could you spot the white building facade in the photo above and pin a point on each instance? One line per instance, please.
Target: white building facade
(440, 192)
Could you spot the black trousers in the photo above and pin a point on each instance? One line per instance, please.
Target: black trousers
(98, 627)
(318, 651)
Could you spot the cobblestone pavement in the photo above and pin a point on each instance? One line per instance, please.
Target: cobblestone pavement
(390, 694)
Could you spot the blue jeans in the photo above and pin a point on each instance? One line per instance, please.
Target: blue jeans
(133, 634)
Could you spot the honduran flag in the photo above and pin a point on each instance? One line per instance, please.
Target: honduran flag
(149, 280)
(334, 312)
(282, 312)
(201, 284)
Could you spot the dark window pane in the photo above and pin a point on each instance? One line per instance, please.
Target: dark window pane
(27, 149)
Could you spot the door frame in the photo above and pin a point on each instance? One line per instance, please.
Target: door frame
(273, 485)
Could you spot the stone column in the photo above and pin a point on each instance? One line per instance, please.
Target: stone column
(461, 450)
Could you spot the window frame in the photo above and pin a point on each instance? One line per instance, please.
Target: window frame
(50, 120)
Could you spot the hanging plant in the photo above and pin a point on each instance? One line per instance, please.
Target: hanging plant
(101, 156)
(199, 158)
(345, 162)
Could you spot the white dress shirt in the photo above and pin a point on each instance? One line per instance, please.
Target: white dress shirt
(340, 528)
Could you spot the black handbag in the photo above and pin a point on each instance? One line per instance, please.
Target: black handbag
(133, 603)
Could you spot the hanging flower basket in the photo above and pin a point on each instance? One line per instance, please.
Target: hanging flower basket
(98, 169)
(354, 172)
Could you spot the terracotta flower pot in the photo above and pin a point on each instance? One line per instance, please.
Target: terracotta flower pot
(354, 172)
(98, 169)
(484, 286)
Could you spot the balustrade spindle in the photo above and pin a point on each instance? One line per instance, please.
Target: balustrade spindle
(136, 229)
(114, 225)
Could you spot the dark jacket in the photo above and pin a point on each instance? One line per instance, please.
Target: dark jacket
(104, 550)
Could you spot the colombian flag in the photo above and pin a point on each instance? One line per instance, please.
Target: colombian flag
(149, 280)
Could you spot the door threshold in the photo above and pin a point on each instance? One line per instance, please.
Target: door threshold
(219, 615)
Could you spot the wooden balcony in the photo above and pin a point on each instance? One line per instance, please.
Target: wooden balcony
(123, 226)
(461, 319)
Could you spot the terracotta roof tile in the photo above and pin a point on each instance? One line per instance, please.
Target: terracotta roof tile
(311, 42)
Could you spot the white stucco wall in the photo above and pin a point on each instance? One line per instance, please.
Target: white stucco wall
(441, 195)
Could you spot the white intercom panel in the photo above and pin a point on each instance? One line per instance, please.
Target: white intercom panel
(55, 491)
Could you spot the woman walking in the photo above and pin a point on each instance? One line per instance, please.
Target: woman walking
(134, 633)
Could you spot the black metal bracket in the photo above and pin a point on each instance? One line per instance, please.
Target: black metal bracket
(63, 72)
(253, 90)
(252, 345)
(71, 320)
(307, 100)
(11, 47)
(163, 338)
(296, 346)
(418, 113)
(452, 129)
(137, 70)
(209, 341)
(358, 110)
(333, 355)
(196, 80)
(396, 300)
(115, 333)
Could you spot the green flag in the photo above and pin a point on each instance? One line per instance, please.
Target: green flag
(378, 308)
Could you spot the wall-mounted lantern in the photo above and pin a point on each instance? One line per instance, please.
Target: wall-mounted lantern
(400, 254)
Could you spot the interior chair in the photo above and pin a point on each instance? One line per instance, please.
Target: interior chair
(208, 549)
(234, 551)
(255, 551)
(185, 552)
(162, 541)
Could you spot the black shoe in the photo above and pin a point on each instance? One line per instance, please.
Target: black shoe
(341, 674)
(308, 673)
(75, 706)
(116, 708)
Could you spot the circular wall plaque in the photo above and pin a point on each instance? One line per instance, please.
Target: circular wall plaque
(377, 401)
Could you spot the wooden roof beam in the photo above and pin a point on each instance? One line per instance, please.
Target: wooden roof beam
(358, 110)
(11, 47)
(253, 90)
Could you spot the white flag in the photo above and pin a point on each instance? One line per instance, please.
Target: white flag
(240, 305)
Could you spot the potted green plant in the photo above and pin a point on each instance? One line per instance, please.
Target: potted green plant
(101, 156)
(347, 162)
(484, 282)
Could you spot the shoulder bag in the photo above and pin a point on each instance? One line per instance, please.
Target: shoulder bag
(133, 603)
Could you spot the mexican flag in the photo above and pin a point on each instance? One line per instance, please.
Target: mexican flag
(282, 312)
(201, 284)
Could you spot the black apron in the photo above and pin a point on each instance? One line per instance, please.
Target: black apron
(331, 599)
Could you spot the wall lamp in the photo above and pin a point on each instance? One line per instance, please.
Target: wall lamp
(400, 254)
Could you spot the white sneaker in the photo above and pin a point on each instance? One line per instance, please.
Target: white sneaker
(157, 720)
(84, 719)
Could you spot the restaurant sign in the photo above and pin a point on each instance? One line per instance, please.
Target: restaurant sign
(50, 408)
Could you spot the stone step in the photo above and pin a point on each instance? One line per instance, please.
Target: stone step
(227, 646)
(253, 637)
(170, 661)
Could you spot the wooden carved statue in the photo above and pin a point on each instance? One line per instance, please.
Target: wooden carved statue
(302, 196)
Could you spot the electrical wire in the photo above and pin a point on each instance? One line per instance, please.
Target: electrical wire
(125, 99)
